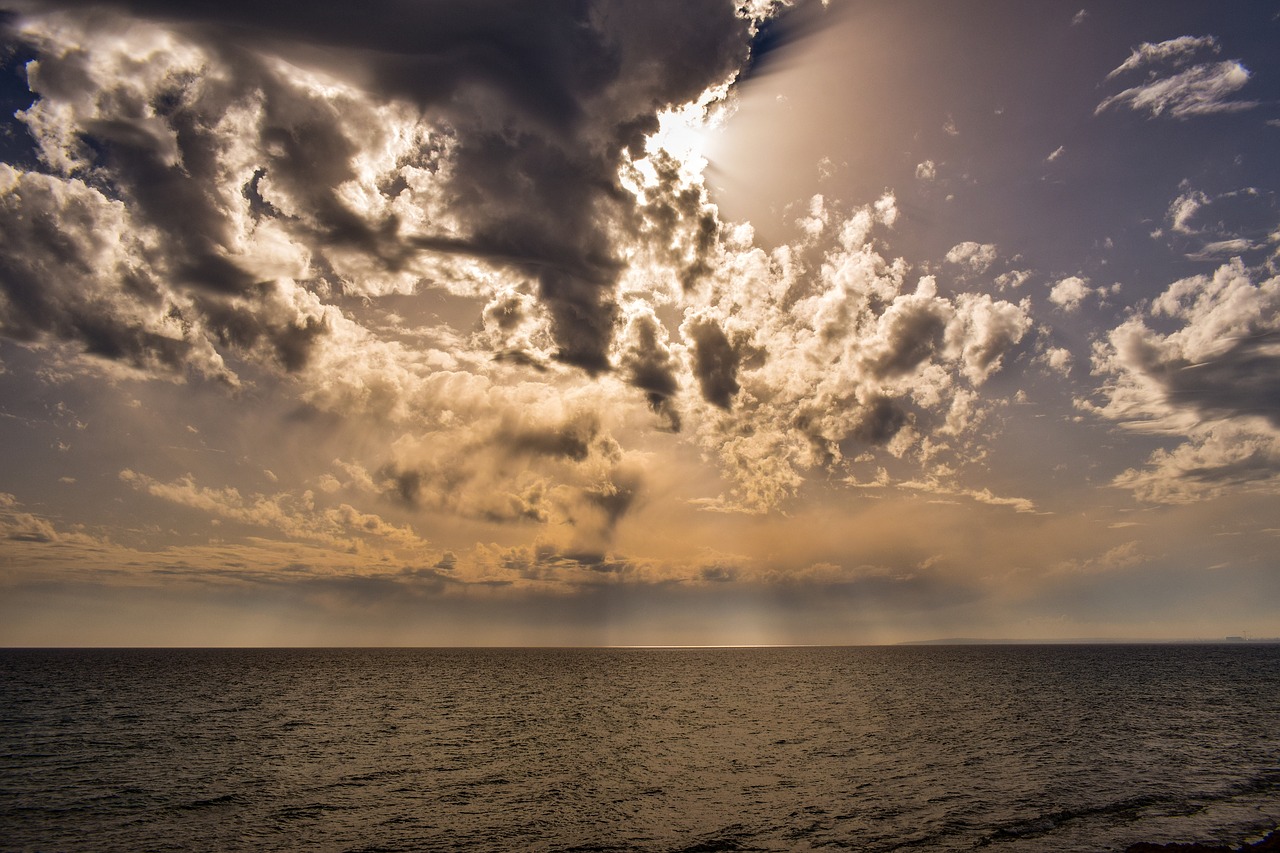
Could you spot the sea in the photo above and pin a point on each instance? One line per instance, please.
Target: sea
(929, 748)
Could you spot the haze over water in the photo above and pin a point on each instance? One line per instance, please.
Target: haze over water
(1015, 748)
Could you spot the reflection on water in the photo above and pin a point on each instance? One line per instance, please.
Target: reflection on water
(1018, 748)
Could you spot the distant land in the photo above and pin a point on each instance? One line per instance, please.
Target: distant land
(1086, 641)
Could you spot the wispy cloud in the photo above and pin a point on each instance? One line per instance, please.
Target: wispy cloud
(1174, 89)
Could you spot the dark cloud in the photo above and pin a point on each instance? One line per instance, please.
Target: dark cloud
(650, 367)
(549, 562)
(570, 472)
(880, 420)
(48, 273)
(715, 363)
(913, 333)
(615, 498)
(719, 573)
(537, 104)
(237, 325)
(572, 439)
(1242, 381)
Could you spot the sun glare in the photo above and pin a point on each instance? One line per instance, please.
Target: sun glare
(684, 132)
(681, 133)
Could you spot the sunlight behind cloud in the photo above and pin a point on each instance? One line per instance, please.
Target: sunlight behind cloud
(684, 132)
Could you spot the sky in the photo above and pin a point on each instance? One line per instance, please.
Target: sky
(594, 322)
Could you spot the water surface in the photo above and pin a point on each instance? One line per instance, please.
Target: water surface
(1006, 748)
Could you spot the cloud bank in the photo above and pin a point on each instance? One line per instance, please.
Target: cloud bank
(1214, 380)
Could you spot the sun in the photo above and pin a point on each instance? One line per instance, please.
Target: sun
(685, 132)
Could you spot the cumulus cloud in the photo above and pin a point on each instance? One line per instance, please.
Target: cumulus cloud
(648, 363)
(232, 193)
(1069, 292)
(234, 150)
(1057, 359)
(1013, 279)
(557, 469)
(926, 171)
(822, 351)
(72, 266)
(1176, 86)
(1222, 458)
(1214, 380)
(715, 361)
(975, 257)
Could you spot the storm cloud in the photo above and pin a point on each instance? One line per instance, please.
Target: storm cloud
(248, 144)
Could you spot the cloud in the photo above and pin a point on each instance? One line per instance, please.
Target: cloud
(556, 469)
(1174, 88)
(976, 257)
(648, 363)
(73, 267)
(1013, 279)
(1222, 458)
(1213, 380)
(25, 527)
(926, 171)
(1058, 359)
(1207, 227)
(1176, 52)
(819, 353)
(256, 143)
(715, 361)
(984, 496)
(342, 527)
(1069, 292)
(235, 197)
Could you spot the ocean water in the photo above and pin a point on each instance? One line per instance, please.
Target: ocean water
(1003, 748)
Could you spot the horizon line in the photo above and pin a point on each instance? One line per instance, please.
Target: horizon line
(950, 641)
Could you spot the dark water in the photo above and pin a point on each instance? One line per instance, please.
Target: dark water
(932, 748)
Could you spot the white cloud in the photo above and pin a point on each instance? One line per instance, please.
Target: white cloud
(1173, 88)
(1013, 279)
(976, 257)
(1176, 52)
(1183, 210)
(816, 359)
(1058, 359)
(297, 516)
(926, 171)
(1208, 227)
(1069, 292)
(1212, 380)
(1055, 154)
(1222, 249)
